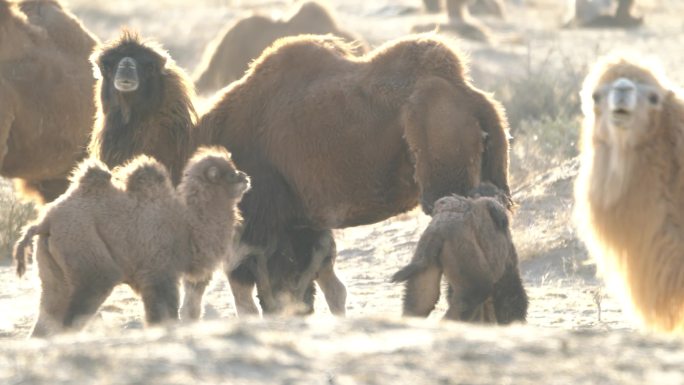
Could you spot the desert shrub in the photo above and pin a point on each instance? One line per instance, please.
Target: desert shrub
(14, 214)
(547, 91)
(543, 108)
(542, 144)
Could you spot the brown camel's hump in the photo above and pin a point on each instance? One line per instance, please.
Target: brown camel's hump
(303, 52)
(426, 53)
(62, 26)
(311, 10)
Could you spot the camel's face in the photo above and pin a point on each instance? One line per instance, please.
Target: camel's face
(132, 77)
(220, 175)
(627, 109)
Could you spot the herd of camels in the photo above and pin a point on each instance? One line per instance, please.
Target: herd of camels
(136, 187)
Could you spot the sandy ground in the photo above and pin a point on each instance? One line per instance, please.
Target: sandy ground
(576, 332)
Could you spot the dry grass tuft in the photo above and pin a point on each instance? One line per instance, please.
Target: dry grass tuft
(14, 214)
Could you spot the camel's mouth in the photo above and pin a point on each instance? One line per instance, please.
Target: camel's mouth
(621, 115)
(125, 85)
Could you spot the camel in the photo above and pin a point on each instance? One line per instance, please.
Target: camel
(45, 45)
(591, 14)
(469, 241)
(228, 57)
(139, 231)
(333, 140)
(629, 193)
(145, 105)
(460, 23)
(478, 7)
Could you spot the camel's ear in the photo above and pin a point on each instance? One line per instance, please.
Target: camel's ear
(212, 174)
(498, 214)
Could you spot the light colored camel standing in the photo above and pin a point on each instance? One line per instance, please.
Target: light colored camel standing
(140, 231)
(630, 189)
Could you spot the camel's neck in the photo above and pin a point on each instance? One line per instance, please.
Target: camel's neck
(211, 228)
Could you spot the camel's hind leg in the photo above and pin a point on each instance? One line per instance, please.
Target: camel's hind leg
(445, 138)
(84, 301)
(161, 299)
(470, 286)
(422, 291)
(55, 292)
(53, 305)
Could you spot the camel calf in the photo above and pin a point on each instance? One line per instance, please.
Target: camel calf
(469, 241)
(138, 231)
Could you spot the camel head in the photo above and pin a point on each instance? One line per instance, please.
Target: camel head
(624, 101)
(211, 176)
(131, 75)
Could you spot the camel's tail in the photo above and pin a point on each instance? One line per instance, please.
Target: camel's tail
(22, 244)
(427, 251)
(407, 272)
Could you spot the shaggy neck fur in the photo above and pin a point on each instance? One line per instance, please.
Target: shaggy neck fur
(133, 122)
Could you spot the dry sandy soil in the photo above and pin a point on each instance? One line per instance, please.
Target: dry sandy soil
(576, 332)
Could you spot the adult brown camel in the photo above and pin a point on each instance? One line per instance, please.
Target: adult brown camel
(43, 129)
(229, 56)
(332, 140)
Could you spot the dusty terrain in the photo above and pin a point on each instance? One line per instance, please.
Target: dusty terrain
(576, 332)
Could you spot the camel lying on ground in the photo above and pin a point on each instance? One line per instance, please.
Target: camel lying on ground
(460, 23)
(592, 14)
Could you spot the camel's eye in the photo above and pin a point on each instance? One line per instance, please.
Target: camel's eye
(596, 96)
(653, 98)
